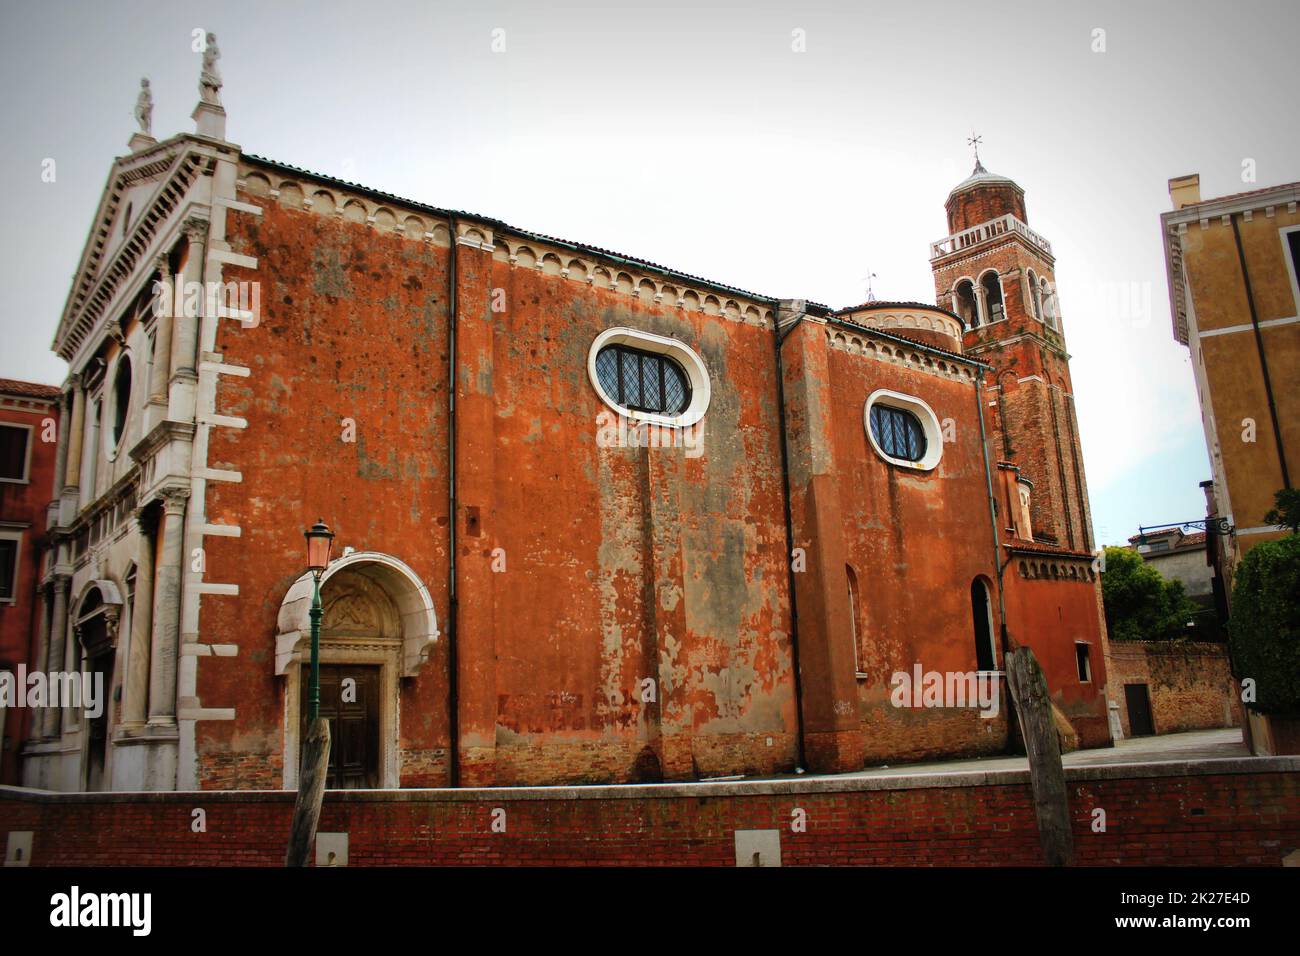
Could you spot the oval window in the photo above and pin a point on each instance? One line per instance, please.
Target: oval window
(649, 377)
(121, 401)
(898, 432)
(642, 381)
(904, 430)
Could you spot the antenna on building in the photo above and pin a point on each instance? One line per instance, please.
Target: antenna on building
(871, 296)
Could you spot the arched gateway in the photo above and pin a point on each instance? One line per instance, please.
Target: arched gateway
(379, 626)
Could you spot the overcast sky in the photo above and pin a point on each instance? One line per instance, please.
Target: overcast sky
(696, 135)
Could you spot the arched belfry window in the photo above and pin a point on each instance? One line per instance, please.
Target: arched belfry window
(964, 303)
(1035, 295)
(992, 290)
(982, 618)
(643, 381)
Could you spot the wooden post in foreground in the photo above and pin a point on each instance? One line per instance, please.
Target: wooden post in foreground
(311, 792)
(1034, 710)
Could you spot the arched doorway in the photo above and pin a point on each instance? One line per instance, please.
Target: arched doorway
(378, 626)
(96, 628)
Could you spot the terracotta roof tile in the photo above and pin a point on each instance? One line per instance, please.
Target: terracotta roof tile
(12, 386)
(1039, 548)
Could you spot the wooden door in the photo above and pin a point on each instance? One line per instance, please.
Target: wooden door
(349, 700)
(1138, 700)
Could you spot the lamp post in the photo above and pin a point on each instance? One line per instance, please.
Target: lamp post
(314, 766)
(320, 539)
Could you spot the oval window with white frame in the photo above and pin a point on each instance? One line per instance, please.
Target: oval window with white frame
(649, 377)
(903, 430)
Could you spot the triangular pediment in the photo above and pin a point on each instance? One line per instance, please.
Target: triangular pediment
(151, 186)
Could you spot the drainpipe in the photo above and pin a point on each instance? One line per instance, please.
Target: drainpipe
(453, 605)
(1263, 360)
(993, 513)
(778, 337)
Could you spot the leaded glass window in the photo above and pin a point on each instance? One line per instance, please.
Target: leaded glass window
(898, 433)
(642, 381)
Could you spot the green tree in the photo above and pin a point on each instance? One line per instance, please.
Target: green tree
(1286, 513)
(1265, 625)
(1140, 604)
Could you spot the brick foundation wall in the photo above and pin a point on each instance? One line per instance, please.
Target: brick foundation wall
(1189, 684)
(1211, 812)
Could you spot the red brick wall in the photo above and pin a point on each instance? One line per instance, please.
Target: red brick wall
(974, 206)
(353, 325)
(1247, 814)
(24, 504)
(1190, 685)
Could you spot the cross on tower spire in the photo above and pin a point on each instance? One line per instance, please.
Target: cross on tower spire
(974, 140)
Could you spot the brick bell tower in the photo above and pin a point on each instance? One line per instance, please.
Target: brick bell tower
(998, 275)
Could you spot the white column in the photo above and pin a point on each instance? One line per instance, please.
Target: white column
(135, 705)
(164, 653)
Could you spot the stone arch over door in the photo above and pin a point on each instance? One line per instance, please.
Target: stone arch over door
(379, 618)
(96, 624)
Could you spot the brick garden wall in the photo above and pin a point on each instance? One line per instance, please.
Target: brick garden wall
(1190, 685)
(1211, 812)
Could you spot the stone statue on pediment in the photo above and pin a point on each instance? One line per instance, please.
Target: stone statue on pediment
(144, 107)
(210, 76)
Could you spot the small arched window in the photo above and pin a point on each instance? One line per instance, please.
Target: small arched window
(898, 432)
(855, 621)
(992, 296)
(643, 381)
(982, 618)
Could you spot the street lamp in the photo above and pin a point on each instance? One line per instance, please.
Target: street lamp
(314, 762)
(320, 539)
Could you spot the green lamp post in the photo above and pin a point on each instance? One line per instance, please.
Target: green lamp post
(320, 540)
(316, 747)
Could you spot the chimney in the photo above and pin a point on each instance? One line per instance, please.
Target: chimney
(1185, 190)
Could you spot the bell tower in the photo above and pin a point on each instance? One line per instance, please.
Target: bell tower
(998, 275)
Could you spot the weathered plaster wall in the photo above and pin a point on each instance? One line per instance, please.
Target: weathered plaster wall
(916, 541)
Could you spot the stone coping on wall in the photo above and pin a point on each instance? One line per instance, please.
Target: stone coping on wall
(699, 790)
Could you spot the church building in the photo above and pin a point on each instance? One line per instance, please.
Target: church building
(596, 520)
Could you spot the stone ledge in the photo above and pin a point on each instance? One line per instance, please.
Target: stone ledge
(699, 790)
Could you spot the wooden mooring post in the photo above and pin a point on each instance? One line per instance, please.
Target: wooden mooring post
(311, 792)
(1034, 711)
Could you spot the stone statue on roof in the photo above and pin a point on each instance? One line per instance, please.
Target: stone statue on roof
(144, 107)
(210, 77)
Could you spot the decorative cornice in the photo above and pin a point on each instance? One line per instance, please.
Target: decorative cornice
(897, 353)
(516, 247)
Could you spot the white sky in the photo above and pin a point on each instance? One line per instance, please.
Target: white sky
(692, 134)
